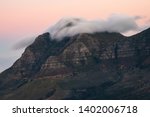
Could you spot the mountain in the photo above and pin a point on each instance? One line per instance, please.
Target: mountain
(103, 65)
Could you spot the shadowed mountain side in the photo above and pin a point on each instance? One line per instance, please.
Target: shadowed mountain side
(86, 66)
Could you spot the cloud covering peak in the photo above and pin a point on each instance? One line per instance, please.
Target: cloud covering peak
(72, 26)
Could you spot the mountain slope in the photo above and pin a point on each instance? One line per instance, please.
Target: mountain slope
(85, 66)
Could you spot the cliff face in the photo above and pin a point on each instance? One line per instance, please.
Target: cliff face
(86, 66)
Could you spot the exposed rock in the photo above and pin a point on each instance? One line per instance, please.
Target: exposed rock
(85, 66)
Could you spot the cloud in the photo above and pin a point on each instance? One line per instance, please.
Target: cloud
(24, 43)
(72, 26)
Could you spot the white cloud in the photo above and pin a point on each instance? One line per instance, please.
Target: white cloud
(24, 43)
(72, 26)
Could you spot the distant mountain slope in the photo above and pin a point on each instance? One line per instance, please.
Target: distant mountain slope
(86, 66)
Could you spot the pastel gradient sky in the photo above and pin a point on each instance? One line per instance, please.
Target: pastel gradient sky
(20, 19)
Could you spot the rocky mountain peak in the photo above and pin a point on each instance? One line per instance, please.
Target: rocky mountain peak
(83, 66)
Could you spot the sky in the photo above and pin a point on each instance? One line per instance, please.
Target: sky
(22, 19)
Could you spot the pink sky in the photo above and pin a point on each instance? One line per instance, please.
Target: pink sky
(26, 17)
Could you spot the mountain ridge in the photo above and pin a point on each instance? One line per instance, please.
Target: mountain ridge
(107, 58)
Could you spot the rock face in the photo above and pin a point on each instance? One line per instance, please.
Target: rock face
(86, 66)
